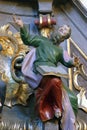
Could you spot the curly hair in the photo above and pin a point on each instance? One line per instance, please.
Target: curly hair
(57, 37)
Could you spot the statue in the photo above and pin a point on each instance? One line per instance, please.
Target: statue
(51, 95)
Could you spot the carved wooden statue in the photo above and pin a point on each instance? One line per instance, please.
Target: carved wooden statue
(25, 61)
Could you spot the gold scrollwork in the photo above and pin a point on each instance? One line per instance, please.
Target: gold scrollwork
(11, 57)
(79, 71)
(81, 125)
(82, 101)
(74, 74)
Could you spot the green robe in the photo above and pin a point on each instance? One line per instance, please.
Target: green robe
(48, 54)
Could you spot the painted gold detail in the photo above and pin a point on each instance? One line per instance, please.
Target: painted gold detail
(11, 57)
(73, 77)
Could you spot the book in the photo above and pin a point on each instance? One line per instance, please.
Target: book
(50, 70)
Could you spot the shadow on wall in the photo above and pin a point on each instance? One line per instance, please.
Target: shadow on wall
(32, 3)
(59, 2)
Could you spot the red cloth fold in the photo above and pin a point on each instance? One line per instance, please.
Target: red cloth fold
(49, 97)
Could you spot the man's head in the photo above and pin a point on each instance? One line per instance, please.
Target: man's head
(60, 34)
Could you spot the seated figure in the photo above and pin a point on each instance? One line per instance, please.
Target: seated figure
(53, 99)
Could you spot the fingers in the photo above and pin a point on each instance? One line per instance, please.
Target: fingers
(15, 18)
(18, 21)
(76, 58)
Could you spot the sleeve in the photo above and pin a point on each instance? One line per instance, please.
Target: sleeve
(66, 60)
(29, 39)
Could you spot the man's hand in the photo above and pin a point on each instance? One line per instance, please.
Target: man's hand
(18, 21)
(76, 61)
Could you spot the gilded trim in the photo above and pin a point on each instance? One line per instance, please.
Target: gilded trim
(69, 70)
(76, 46)
(73, 78)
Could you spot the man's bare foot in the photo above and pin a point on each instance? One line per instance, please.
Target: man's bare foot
(58, 113)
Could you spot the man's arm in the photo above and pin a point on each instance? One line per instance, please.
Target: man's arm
(26, 37)
(67, 61)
